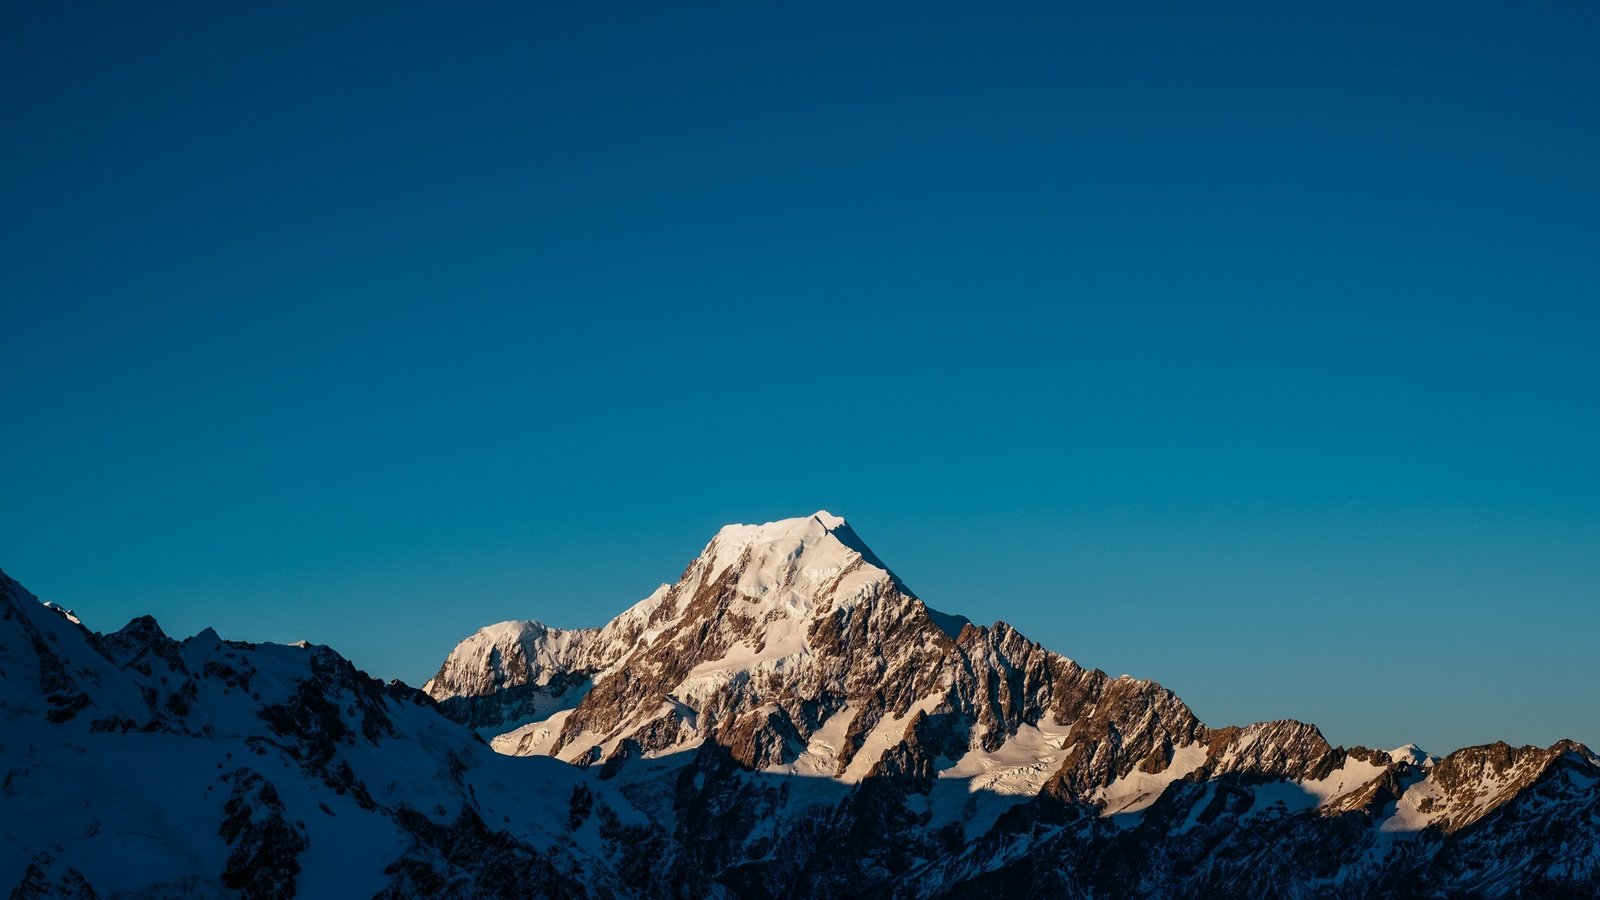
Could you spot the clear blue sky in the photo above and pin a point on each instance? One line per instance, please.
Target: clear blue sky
(1252, 349)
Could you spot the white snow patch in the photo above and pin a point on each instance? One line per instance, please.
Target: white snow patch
(535, 738)
(1352, 776)
(886, 734)
(1137, 790)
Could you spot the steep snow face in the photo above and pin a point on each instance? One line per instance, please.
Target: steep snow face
(134, 763)
(796, 602)
(783, 564)
(775, 581)
(498, 655)
(44, 669)
(514, 672)
(780, 575)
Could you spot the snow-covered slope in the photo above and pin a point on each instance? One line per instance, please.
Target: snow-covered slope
(786, 719)
(793, 673)
(512, 672)
(793, 646)
(137, 764)
(763, 607)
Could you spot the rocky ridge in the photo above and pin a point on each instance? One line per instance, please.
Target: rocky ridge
(787, 719)
(808, 690)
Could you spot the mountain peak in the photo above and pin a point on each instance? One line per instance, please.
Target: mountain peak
(828, 520)
(790, 559)
(798, 530)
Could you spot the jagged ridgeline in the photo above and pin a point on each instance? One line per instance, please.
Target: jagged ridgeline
(802, 721)
(787, 719)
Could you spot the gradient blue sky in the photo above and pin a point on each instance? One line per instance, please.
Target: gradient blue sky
(1249, 348)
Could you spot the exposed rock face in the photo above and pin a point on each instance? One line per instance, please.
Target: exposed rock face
(787, 719)
(792, 645)
(788, 691)
(791, 623)
(44, 878)
(266, 847)
(468, 859)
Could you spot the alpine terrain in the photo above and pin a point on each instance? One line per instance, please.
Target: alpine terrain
(786, 719)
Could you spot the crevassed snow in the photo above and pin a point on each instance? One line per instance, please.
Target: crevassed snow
(1022, 764)
(981, 785)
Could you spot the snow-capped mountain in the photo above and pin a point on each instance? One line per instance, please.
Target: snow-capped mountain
(138, 765)
(794, 715)
(786, 719)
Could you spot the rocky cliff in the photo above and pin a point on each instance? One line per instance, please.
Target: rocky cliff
(789, 696)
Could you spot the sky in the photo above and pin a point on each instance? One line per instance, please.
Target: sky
(1251, 348)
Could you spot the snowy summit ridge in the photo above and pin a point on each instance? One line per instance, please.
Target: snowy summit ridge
(755, 594)
(783, 559)
(789, 649)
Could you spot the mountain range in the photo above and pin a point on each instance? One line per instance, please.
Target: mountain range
(785, 719)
